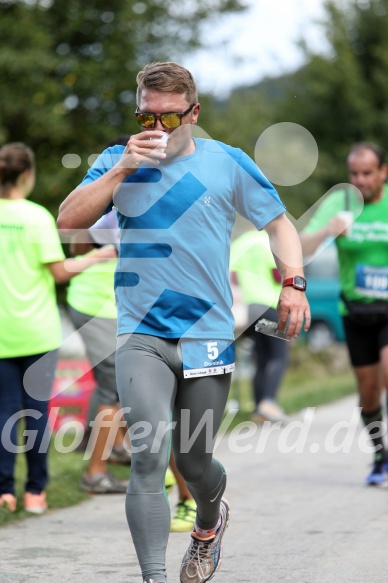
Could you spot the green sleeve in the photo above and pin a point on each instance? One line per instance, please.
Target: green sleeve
(333, 204)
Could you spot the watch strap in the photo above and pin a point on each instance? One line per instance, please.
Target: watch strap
(288, 281)
(292, 281)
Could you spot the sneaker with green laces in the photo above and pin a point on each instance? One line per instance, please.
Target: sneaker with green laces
(203, 557)
(169, 480)
(184, 518)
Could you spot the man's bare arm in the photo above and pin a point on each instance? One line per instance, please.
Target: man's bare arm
(336, 227)
(287, 251)
(86, 204)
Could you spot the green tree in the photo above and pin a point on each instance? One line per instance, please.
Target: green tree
(342, 96)
(67, 73)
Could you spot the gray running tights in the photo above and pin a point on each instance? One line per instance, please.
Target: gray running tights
(154, 395)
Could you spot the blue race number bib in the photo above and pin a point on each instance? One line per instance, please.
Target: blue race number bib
(372, 281)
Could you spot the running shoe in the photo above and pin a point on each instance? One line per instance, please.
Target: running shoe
(102, 484)
(8, 502)
(169, 480)
(184, 518)
(268, 410)
(120, 456)
(35, 503)
(153, 581)
(203, 557)
(376, 477)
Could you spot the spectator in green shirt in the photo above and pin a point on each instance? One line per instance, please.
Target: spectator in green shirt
(32, 261)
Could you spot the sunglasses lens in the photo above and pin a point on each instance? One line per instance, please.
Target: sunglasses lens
(146, 120)
(170, 120)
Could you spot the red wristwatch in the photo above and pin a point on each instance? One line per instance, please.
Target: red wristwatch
(297, 282)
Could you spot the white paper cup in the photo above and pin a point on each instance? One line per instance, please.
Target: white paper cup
(163, 142)
(347, 217)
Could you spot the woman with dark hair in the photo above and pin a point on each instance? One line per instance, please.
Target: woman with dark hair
(32, 261)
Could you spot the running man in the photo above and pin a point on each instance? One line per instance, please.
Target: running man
(362, 245)
(176, 207)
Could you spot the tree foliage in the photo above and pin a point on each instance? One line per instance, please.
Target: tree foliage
(345, 95)
(341, 97)
(68, 69)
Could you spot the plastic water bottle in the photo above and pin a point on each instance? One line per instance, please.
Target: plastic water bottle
(270, 328)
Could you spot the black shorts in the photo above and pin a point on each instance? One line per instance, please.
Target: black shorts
(365, 341)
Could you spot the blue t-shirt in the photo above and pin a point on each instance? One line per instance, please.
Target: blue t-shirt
(176, 219)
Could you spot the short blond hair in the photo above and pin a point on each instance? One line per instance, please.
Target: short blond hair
(167, 78)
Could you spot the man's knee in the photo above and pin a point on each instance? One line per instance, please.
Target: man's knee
(190, 467)
(147, 473)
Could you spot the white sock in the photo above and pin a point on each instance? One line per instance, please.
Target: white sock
(208, 533)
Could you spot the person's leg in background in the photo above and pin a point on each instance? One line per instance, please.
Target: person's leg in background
(99, 337)
(384, 372)
(368, 351)
(25, 388)
(92, 412)
(11, 403)
(97, 479)
(37, 386)
(372, 415)
(121, 449)
(271, 360)
(184, 517)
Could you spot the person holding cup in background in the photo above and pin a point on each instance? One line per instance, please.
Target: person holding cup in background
(358, 219)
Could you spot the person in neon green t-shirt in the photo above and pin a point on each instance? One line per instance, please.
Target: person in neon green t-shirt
(362, 245)
(253, 266)
(92, 309)
(32, 260)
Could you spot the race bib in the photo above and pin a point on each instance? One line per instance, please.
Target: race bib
(204, 358)
(372, 281)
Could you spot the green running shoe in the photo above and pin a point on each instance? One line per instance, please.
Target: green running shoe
(169, 481)
(184, 518)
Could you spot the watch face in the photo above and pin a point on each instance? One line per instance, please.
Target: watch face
(300, 282)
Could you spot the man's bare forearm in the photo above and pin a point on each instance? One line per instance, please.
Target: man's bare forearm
(86, 204)
(285, 246)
